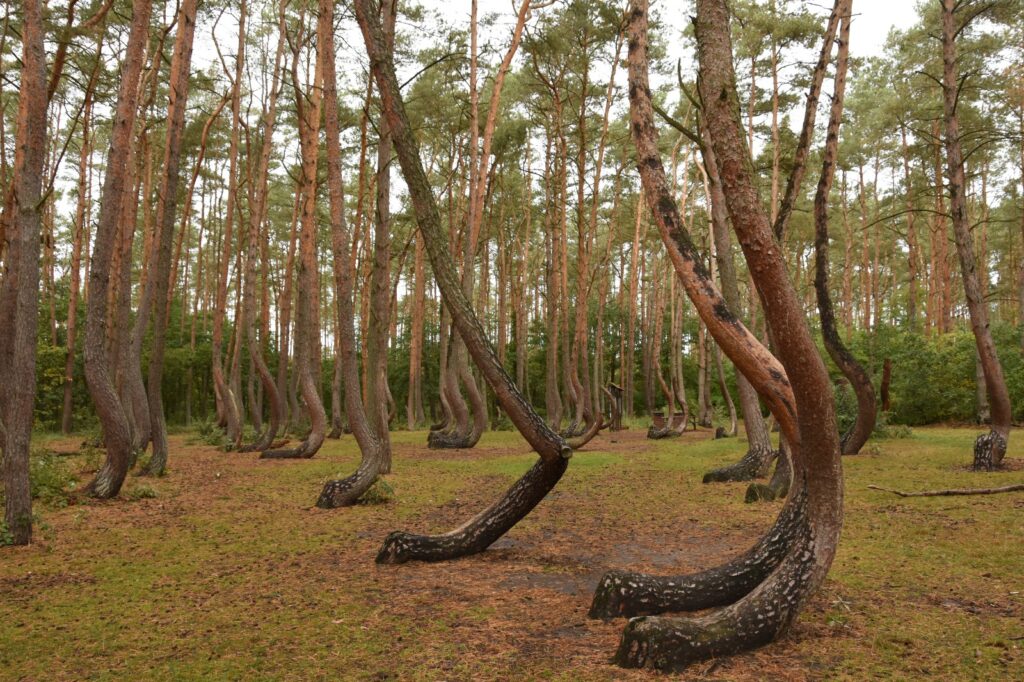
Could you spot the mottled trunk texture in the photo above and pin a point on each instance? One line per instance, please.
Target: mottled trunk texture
(769, 605)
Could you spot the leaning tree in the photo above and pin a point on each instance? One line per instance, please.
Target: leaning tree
(758, 595)
(482, 530)
(854, 439)
(98, 371)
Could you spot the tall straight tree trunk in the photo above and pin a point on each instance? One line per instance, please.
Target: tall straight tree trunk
(99, 379)
(225, 396)
(257, 216)
(414, 404)
(77, 244)
(628, 362)
(285, 314)
(477, 534)
(989, 448)
(307, 327)
(913, 249)
(758, 605)
(19, 291)
(857, 436)
(181, 63)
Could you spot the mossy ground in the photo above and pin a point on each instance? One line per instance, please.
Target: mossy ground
(229, 572)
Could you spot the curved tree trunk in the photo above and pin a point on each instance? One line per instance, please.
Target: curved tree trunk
(493, 522)
(346, 491)
(116, 434)
(765, 611)
(855, 373)
(989, 448)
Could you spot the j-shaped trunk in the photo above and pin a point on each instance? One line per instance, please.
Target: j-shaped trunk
(768, 607)
(854, 439)
(758, 458)
(346, 491)
(492, 523)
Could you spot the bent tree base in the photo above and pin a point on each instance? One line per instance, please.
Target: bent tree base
(670, 644)
(754, 464)
(778, 486)
(655, 433)
(449, 440)
(346, 491)
(989, 450)
(480, 532)
(624, 593)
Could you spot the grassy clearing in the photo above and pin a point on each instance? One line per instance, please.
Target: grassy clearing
(224, 570)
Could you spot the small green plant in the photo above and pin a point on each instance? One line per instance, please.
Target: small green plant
(91, 455)
(50, 479)
(885, 429)
(380, 492)
(211, 434)
(142, 492)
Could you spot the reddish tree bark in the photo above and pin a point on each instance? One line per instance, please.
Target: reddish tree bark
(770, 596)
(19, 291)
(117, 436)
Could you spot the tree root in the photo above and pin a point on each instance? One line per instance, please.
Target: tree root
(778, 486)
(478, 533)
(300, 452)
(755, 464)
(623, 593)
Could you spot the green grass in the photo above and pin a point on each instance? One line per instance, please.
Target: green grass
(224, 570)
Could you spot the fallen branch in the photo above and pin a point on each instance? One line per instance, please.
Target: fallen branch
(953, 491)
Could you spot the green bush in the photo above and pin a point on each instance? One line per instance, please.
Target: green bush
(50, 480)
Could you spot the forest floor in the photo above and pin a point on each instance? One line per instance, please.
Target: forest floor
(223, 569)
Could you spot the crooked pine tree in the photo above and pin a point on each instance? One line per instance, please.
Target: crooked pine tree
(757, 596)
